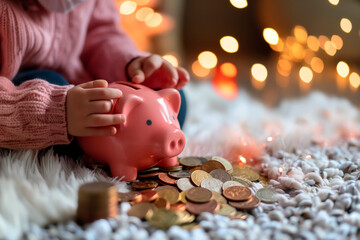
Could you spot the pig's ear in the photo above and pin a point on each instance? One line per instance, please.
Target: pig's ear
(127, 103)
(173, 97)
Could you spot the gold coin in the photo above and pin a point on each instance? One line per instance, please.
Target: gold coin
(227, 165)
(212, 165)
(246, 172)
(140, 209)
(162, 203)
(240, 215)
(190, 226)
(226, 210)
(264, 181)
(182, 197)
(198, 175)
(218, 198)
(243, 181)
(171, 195)
(190, 161)
(162, 218)
(198, 195)
(267, 195)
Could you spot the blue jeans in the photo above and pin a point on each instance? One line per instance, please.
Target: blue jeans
(56, 78)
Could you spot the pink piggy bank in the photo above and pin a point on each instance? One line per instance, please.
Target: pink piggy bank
(150, 136)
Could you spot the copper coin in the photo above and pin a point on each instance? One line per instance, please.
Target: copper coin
(180, 174)
(190, 161)
(161, 203)
(251, 203)
(220, 174)
(129, 196)
(197, 208)
(178, 207)
(184, 184)
(166, 179)
(198, 175)
(147, 184)
(165, 187)
(198, 195)
(149, 195)
(148, 175)
(237, 193)
(212, 165)
(171, 195)
(140, 209)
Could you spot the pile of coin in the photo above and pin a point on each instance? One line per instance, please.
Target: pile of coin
(175, 195)
(96, 200)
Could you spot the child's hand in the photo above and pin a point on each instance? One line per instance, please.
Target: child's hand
(155, 72)
(87, 108)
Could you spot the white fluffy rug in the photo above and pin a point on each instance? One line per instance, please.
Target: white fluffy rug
(39, 189)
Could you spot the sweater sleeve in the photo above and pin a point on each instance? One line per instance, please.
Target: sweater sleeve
(107, 49)
(32, 115)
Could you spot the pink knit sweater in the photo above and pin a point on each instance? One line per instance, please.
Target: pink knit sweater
(82, 45)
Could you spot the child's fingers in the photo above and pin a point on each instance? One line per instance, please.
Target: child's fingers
(151, 64)
(171, 72)
(103, 93)
(135, 71)
(103, 120)
(100, 83)
(184, 78)
(100, 106)
(100, 131)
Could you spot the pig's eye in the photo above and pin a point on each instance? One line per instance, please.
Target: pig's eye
(148, 122)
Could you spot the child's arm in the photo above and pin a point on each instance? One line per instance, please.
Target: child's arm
(32, 115)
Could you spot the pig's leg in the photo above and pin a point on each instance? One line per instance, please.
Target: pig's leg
(119, 170)
(168, 162)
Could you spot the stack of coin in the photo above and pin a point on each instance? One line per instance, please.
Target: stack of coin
(96, 200)
(196, 185)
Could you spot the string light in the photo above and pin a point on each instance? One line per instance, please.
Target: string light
(300, 34)
(207, 59)
(228, 70)
(144, 14)
(242, 159)
(259, 72)
(171, 59)
(354, 79)
(155, 20)
(306, 75)
(342, 69)
(345, 25)
(313, 43)
(330, 48)
(317, 64)
(334, 2)
(199, 70)
(229, 44)
(128, 7)
(271, 36)
(239, 3)
(337, 40)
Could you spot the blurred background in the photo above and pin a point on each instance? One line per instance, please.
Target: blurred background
(274, 49)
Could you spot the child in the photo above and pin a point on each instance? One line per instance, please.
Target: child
(47, 45)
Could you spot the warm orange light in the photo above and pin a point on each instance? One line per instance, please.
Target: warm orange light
(305, 74)
(144, 14)
(171, 59)
(271, 36)
(308, 56)
(317, 64)
(337, 40)
(207, 59)
(199, 70)
(229, 44)
(155, 20)
(342, 69)
(354, 79)
(308, 156)
(228, 70)
(300, 34)
(242, 159)
(330, 48)
(239, 3)
(281, 170)
(285, 64)
(334, 2)
(313, 43)
(127, 7)
(345, 25)
(259, 72)
(297, 51)
(270, 139)
(279, 47)
(226, 88)
(322, 40)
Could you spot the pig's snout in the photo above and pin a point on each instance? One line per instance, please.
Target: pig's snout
(175, 143)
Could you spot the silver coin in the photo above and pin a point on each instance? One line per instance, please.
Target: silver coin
(212, 184)
(220, 174)
(184, 184)
(190, 161)
(267, 195)
(180, 174)
(230, 184)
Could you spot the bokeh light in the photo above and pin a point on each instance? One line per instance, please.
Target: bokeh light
(259, 72)
(144, 14)
(228, 69)
(207, 59)
(313, 43)
(317, 64)
(342, 69)
(337, 40)
(171, 59)
(300, 34)
(155, 20)
(271, 36)
(334, 2)
(128, 7)
(199, 70)
(239, 3)
(345, 25)
(354, 79)
(306, 75)
(229, 44)
(330, 48)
